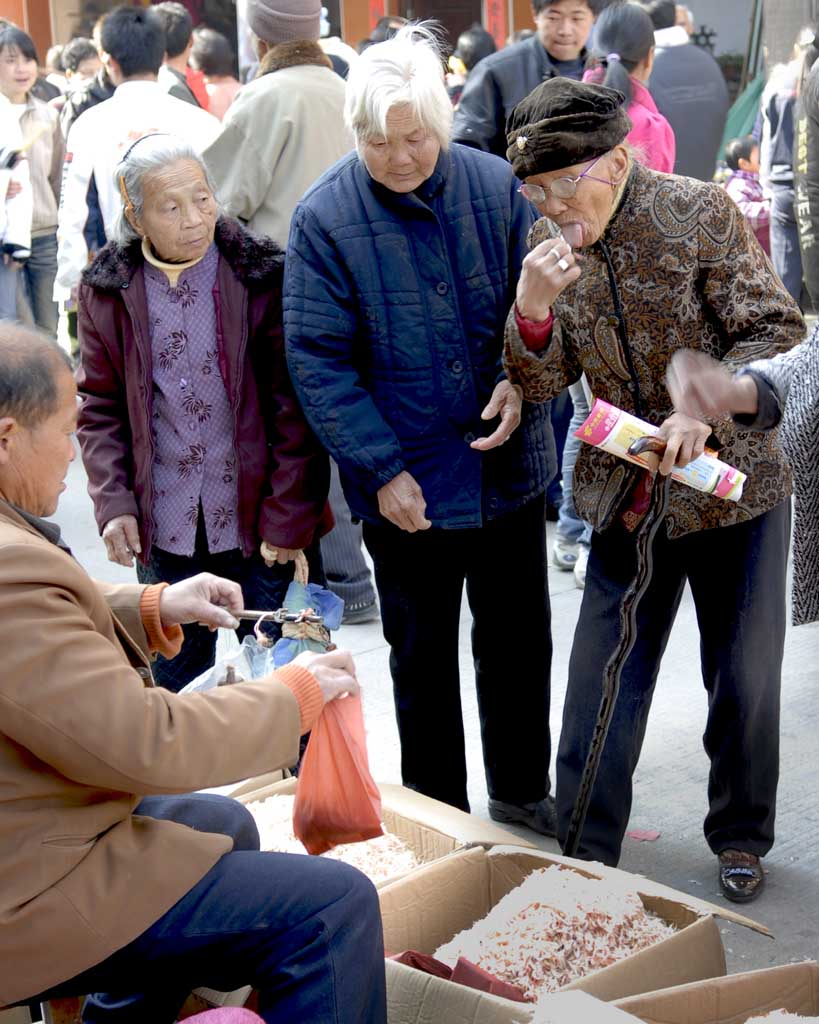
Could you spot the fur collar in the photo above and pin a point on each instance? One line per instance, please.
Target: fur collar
(253, 258)
(293, 55)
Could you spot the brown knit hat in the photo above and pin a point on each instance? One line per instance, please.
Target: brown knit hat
(284, 21)
(562, 123)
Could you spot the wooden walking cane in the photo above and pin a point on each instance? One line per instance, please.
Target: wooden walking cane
(628, 635)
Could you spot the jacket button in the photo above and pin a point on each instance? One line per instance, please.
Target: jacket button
(442, 287)
(469, 437)
(457, 366)
(631, 386)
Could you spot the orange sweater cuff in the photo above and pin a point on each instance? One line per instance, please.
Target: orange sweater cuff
(167, 642)
(306, 690)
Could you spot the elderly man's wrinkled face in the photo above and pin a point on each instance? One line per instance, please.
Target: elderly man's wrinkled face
(406, 157)
(178, 212)
(583, 217)
(34, 461)
(563, 27)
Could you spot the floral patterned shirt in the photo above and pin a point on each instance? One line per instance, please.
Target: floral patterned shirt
(194, 471)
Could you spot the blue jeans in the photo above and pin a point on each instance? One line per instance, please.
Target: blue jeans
(737, 579)
(37, 279)
(570, 526)
(303, 931)
(348, 575)
(785, 253)
(560, 412)
(8, 291)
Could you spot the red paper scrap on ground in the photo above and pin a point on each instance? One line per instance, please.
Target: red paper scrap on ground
(643, 835)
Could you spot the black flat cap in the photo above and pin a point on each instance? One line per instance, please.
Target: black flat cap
(562, 123)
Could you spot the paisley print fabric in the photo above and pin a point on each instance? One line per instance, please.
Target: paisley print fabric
(689, 274)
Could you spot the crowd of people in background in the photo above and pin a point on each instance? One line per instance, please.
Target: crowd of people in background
(378, 287)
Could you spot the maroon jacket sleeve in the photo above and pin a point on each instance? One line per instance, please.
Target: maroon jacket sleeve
(294, 510)
(103, 430)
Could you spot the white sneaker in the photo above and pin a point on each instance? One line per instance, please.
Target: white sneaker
(580, 566)
(564, 554)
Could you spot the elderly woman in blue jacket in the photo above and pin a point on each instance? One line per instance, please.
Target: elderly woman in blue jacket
(401, 267)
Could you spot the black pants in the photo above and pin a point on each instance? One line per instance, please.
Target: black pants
(420, 579)
(737, 579)
(263, 588)
(304, 931)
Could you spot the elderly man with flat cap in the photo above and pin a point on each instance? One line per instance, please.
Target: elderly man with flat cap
(111, 884)
(626, 267)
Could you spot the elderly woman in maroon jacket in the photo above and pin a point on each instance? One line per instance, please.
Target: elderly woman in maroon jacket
(196, 450)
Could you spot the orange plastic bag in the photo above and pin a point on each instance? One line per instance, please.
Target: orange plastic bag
(336, 798)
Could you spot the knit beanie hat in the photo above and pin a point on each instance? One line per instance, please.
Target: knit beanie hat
(562, 123)
(284, 21)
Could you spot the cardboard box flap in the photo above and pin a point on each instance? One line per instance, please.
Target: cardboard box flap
(623, 880)
(731, 1000)
(470, 830)
(422, 999)
(431, 905)
(432, 815)
(416, 998)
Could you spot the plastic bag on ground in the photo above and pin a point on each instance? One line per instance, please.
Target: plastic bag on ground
(337, 800)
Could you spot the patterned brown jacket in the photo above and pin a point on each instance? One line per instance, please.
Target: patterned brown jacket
(685, 269)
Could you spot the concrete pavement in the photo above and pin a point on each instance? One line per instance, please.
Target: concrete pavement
(670, 785)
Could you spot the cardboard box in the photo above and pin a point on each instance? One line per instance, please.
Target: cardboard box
(432, 904)
(430, 828)
(415, 998)
(732, 1000)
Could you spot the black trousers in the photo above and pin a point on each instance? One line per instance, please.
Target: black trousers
(420, 579)
(737, 579)
(263, 588)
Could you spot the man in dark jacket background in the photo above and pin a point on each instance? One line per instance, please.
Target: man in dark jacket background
(690, 91)
(503, 79)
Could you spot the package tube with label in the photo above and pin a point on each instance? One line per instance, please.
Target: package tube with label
(614, 431)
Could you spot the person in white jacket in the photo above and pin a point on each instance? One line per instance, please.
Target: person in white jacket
(133, 44)
(16, 208)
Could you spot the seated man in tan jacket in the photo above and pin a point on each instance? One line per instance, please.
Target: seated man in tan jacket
(109, 884)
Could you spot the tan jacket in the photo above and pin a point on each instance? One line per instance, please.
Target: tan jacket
(689, 274)
(45, 160)
(83, 736)
(281, 133)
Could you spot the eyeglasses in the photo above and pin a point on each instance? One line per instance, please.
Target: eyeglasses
(561, 188)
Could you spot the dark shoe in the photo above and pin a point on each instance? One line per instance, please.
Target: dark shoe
(358, 612)
(539, 817)
(741, 877)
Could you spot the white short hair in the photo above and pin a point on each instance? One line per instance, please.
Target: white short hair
(151, 153)
(406, 70)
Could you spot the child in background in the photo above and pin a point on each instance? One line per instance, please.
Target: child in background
(744, 187)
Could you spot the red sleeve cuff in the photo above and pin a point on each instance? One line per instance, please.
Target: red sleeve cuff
(535, 334)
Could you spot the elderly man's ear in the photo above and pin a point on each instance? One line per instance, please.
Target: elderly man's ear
(8, 428)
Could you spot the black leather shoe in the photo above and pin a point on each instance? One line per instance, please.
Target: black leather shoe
(741, 877)
(539, 817)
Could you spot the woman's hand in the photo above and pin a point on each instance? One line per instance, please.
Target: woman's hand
(704, 387)
(685, 439)
(543, 277)
(506, 402)
(121, 537)
(274, 555)
(334, 672)
(402, 502)
(207, 599)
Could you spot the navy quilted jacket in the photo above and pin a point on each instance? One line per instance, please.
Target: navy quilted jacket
(394, 309)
